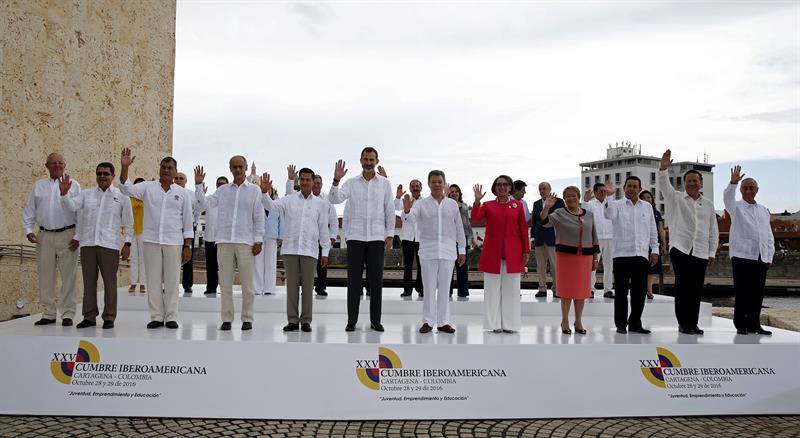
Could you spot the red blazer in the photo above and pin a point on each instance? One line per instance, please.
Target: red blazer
(506, 235)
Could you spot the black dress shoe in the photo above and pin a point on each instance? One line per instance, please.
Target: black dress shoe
(760, 331)
(377, 327)
(45, 321)
(86, 323)
(225, 326)
(697, 330)
(108, 325)
(685, 330)
(322, 293)
(463, 296)
(171, 324)
(291, 327)
(741, 331)
(306, 327)
(426, 328)
(640, 330)
(608, 294)
(406, 294)
(447, 328)
(155, 324)
(187, 291)
(541, 294)
(208, 292)
(622, 330)
(350, 328)
(421, 294)
(66, 322)
(247, 325)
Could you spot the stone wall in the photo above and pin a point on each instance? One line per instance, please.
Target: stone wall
(84, 78)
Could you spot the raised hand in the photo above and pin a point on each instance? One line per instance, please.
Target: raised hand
(550, 200)
(340, 170)
(266, 184)
(407, 203)
(64, 183)
(199, 175)
(587, 195)
(382, 171)
(479, 193)
(399, 194)
(611, 188)
(127, 159)
(666, 160)
(292, 172)
(736, 174)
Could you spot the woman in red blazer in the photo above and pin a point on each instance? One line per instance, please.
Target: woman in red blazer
(506, 248)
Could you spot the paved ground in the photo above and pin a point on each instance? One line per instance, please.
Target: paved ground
(716, 427)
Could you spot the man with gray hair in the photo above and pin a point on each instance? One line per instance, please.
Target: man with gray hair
(409, 241)
(55, 242)
(752, 247)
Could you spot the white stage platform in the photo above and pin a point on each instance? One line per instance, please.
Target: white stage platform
(199, 371)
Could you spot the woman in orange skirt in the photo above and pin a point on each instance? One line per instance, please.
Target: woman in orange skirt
(576, 253)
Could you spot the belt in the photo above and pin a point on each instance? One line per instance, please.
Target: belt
(68, 227)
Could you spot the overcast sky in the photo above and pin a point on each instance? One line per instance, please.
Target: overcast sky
(482, 88)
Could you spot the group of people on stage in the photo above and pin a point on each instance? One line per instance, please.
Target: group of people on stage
(243, 219)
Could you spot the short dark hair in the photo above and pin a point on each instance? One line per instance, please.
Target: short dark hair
(505, 177)
(690, 171)
(369, 149)
(168, 158)
(519, 185)
(223, 177)
(433, 173)
(106, 164)
(306, 170)
(652, 198)
(597, 186)
(635, 178)
(460, 199)
(138, 180)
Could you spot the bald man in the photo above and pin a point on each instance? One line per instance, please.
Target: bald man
(55, 242)
(752, 247)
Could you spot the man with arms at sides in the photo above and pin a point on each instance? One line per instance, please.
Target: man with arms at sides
(55, 242)
(103, 210)
(187, 280)
(369, 229)
(442, 241)
(168, 234)
(238, 233)
(409, 241)
(210, 244)
(693, 240)
(595, 200)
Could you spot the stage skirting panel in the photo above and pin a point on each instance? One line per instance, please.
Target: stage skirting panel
(97, 376)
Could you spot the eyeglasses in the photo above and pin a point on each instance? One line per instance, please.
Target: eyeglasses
(103, 173)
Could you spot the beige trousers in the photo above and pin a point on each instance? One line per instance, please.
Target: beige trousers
(52, 253)
(299, 272)
(544, 254)
(162, 262)
(229, 257)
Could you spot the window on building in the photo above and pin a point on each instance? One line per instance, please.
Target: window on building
(677, 181)
(618, 194)
(652, 177)
(616, 178)
(587, 182)
(597, 179)
(627, 174)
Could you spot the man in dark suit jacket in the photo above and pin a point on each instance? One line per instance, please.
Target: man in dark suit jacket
(544, 240)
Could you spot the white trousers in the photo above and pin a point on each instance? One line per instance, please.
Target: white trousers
(501, 300)
(607, 256)
(137, 261)
(52, 253)
(162, 262)
(264, 277)
(229, 257)
(436, 276)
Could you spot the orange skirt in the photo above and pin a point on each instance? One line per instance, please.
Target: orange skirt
(572, 275)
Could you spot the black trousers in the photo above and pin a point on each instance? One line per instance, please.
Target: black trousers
(410, 253)
(690, 274)
(322, 274)
(630, 276)
(188, 272)
(212, 267)
(462, 277)
(749, 277)
(359, 253)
